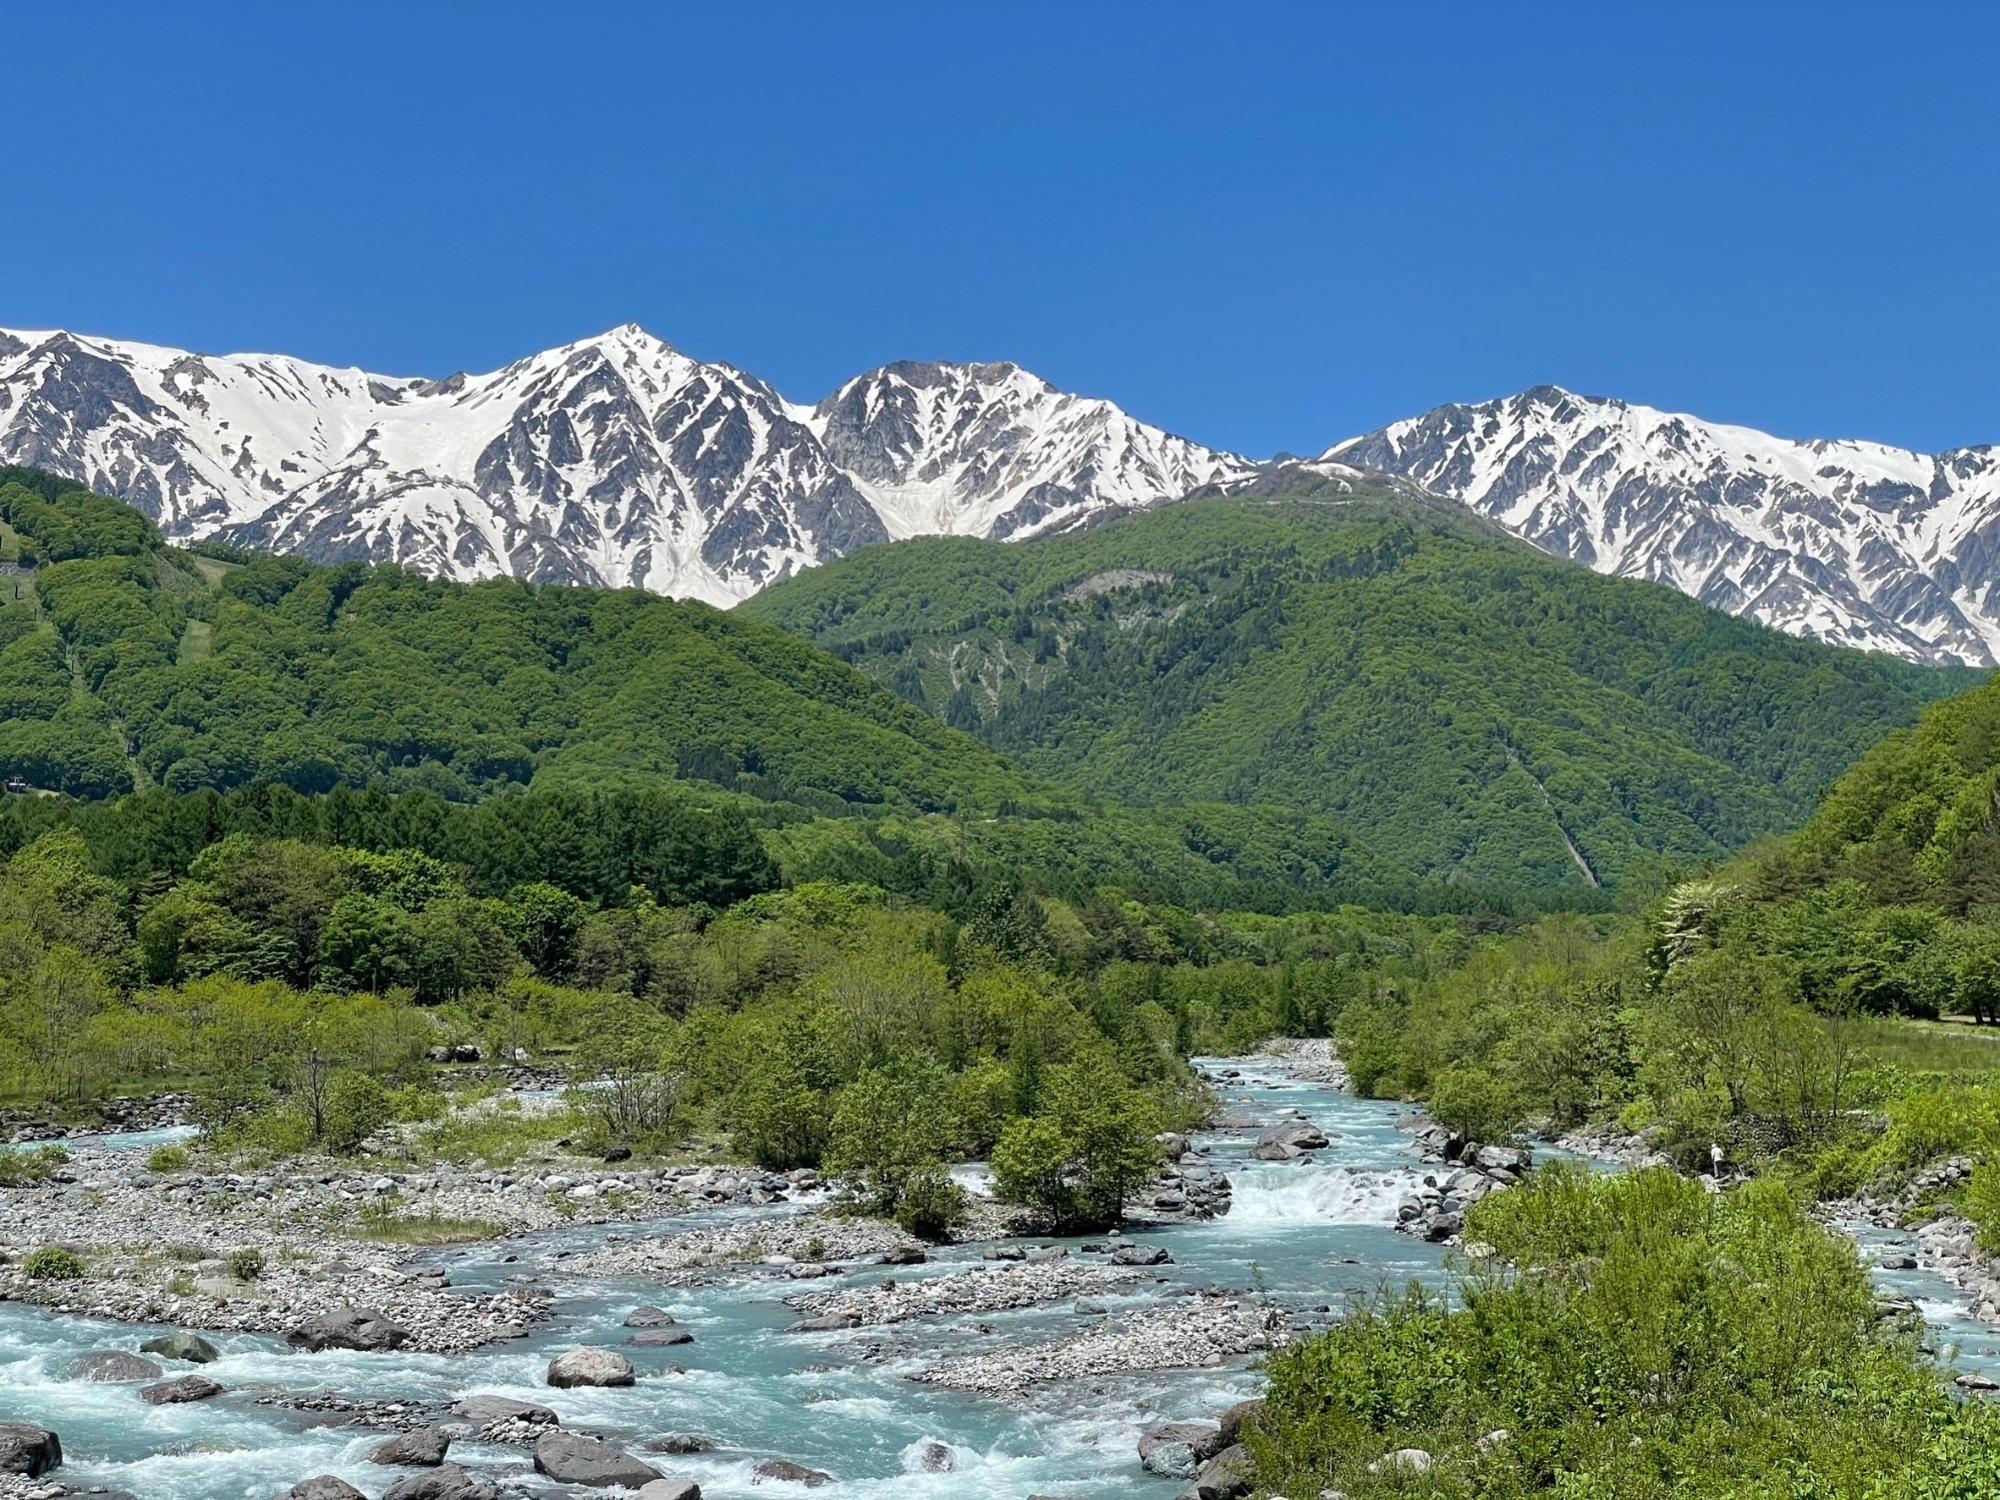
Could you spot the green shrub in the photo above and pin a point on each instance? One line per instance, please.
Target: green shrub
(246, 1264)
(169, 1159)
(53, 1263)
(1982, 1205)
(25, 1168)
(1476, 1104)
(356, 1107)
(931, 1204)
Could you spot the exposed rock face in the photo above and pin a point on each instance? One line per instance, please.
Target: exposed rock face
(572, 1458)
(1854, 543)
(348, 1328)
(1224, 1477)
(28, 1449)
(602, 1367)
(111, 1365)
(1178, 1449)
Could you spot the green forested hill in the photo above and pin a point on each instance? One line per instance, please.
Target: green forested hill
(1465, 704)
(129, 666)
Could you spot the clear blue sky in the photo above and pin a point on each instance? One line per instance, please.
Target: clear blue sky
(1262, 226)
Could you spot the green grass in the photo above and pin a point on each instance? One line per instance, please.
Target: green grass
(1926, 1046)
(424, 1229)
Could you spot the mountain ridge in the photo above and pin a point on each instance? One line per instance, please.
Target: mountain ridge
(620, 460)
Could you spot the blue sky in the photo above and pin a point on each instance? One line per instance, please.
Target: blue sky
(1264, 226)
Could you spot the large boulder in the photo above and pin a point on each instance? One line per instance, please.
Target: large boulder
(670, 1489)
(572, 1458)
(1228, 1475)
(348, 1328)
(1178, 1449)
(649, 1317)
(1294, 1133)
(180, 1392)
(484, 1411)
(189, 1349)
(1243, 1414)
(108, 1365)
(1141, 1255)
(421, 1448)
(28, 1449)
(447, 1482)
(325, 1487)
(784, 1471)
(590, 1367)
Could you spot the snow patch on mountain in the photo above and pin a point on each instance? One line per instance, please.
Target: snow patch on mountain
(1856, 543)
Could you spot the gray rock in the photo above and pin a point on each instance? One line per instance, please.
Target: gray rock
(107, 1365)
(787, 1472)
(936, 1458)
(680, 1443)
(1226, 1476)
(572, 1458)
(484, 1411)
(649, 1317)
(826, 1323)
(188, 1348)
(1140, 1255)
(447, 1482)
(180, 1392)
(1177, 1449)
(28, 1449)
(422, 1448)
(660, 1338)
(599, 1367)
(670, 1489)
(1243, 1414)
(326, 1487)
(348, 1328)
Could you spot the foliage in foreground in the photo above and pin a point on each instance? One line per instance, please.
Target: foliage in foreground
(1663, 1342)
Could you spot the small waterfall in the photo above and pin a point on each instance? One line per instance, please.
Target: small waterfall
(1303, 1194)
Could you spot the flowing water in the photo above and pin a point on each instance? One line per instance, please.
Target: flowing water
(1303, 1234)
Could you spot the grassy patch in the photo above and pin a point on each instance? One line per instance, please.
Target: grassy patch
(424, 1229)
(1927, 1046)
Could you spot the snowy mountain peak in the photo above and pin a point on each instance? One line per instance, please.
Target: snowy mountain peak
(1854, 542)
(994, 450)
(615, 459)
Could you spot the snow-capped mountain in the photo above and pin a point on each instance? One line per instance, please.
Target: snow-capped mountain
(1850, 542)
(991, 450)
(616, 460)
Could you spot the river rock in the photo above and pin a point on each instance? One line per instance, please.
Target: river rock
(681, 1444)
(422, 1448)
(1224, 1477)
(1243, 1414)
(484, 1411)
(1140, 1255)
(108, 1365)
(660, 1338)
(446, 1482)
(572, 1458)
(783, 1470)
(28, 1449)
(348, 1328)
(649, 1317)
(670, 1489)
(188, 1348)
(1294, 1133)
(326, 1487)
(1178, 1449)
(180, 1392)
(932, 1457)
(832, 1322)
(602, 1367)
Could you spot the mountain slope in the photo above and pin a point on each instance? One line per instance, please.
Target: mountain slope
(1849, 542)
(1464, 703)
(616, 460)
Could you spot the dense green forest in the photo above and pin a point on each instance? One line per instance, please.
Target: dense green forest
(1471, 708)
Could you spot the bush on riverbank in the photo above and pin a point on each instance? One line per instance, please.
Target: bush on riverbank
(1661, 1341)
